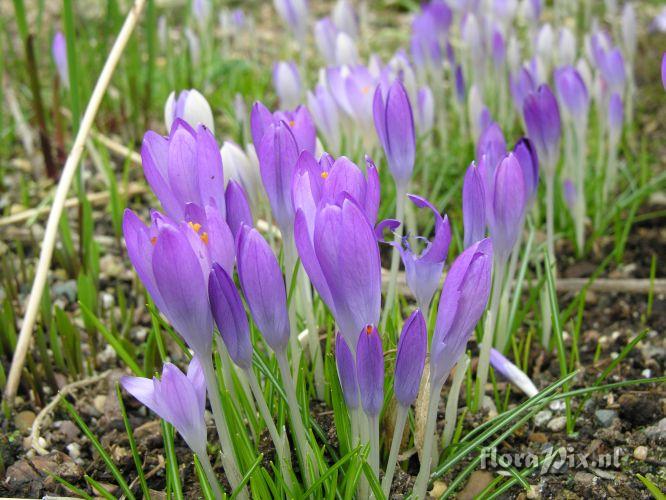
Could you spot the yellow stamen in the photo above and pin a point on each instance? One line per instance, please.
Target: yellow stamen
(324, 175)
(195, 226)
(292, 123)
(153, 240)
(204, 237)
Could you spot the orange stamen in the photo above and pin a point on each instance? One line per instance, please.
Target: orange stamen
(195, 226)
(368, 329)
(153, 240)
(204, 237)
(324, 175)
(292, 123)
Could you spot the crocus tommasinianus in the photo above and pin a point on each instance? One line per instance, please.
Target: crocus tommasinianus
(260, 277)
(611, 65)
(529, 163)
(229, 315)
(370, 370)
(277, 154)
(352, 88)
(299, 122)
(294, 13)
(346, 364)
(473, 206)
(512, 373)
(521, 84)
(325, 113)
(464, 298)
(573, 94)
(542, 118)
(59, 52)
(238, 208)
(345, 50)
(325, 34)
(185, 167)
(242, 166)
(341, 257)
(410, 359)
(394, 123)
(177, 398)
(425, 110)
(492, 145)
(345, 18)
(615, 113)
(190, 106)
(174, 274)
(507, 200)
(287, 83)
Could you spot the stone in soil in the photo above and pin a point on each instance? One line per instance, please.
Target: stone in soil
(23, 420)
(640, 452)
(477, 482)
(542, 418)
(557, 424)
(605, 417)
(638, 410)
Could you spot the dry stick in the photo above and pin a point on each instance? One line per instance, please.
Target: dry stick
(60, 197)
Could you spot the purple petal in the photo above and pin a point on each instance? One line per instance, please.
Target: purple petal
(410, 358)
(474, 206)
(344, 360)
(370, 370)
(238, 208)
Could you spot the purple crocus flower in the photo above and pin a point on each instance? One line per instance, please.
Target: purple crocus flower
(474, 206)
(492, 145)
(507, 206)
(394, 123)
(238, 208)
(326, 116)
(263, 286)
(521, 84)
(170, 261)
(345, 19)
(185, 167)
(512, 373)
(542, 117)
(344, 360)
(615, 114)
(177, 398)
(573, 93)
(464, 298)
(294, 13)
(410, 359)
(352, 88)
(425, 110)
(191, 106)
(370, 370)
(341, 257)
(498, 49)
(460, 84)
(325, 34)
(59, 52)
(529, 163)
(570, 194)
(229, 315)
(299, 122)
(611, 64)
(287, 83)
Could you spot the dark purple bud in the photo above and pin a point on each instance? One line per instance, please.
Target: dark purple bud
(542, 117)
(615, 113)
(370, 370)
(460, 84)
(572, 93)
(238, 208)
(521, 84)
(507, 206)
(529, 163)
(492, 145)
(344, 360)
(410, 358)
(474, 206)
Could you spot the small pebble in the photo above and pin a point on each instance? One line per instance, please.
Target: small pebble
(74, 450)
(647, 373)
(557, 424)
(438, 489)
(98, 402)
(605, 417)
(640, 452)
(542, 418)
(23, 420)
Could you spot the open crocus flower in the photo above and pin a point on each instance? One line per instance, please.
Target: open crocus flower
(423, 270)
(353, 88)
(299, 121)
(341, 257)
(190, 106)
(512, 373)
(177, 398)
(185, 167)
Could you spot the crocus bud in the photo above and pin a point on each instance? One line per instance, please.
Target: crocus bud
(529, 164)
(344, 359)
(615, 112)
(663, 70)
(473, 206)
(460, 84)
(191, 106)
(410, 359)
(507, 206)
(567, 47)
(345, 50)
(545, 43)
(611, 64)
(394, 123)
(185, 167)
(344, 18)
(542, 117)
(229, 315)
(492, 145)
(512, 373)
(521, 84)
(59, 52)
(238, 209)
(263, 286)
(572, 93)
(464, 298)
(177, 398)
(498, 49)
(325, 34)
(171, 272)
(294, 14)
(243, 168)
(370, 370)
(629, 30)
(325, 113)
(570, 194)
(425, 111)
(287, 83)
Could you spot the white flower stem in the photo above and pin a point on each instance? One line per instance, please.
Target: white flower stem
(373, 425)
(231, 468)
(421, 484)
(313, 337)
(289, 248)
(400, 420)
(210, 474)
(395, 256)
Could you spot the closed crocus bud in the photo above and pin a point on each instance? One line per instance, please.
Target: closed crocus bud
(542, 117)
(344, 18)
(185, 167)
(611, 64)
(177, 398)
(512, 373)
(242, 168)
(464, 298)
(190, 106)
(460, 84)
(425, 111)
(424, 270)
(344, 360)
(615, 113)
(287, 83)
(394, 123)
(498, 49)
(572, 93)
(325, 34)
(507, 206)
(492, 145)
(229, 315)
(410, 359)
(474, 206)
(585, 73)
(294, 14)
(570, 194)
(629, 30)
(325, 113)
(370, 370)
(345, 50)
(521, 84)
(529, 163)
(545, 43)
(171, 272)
(238, 208)
(263, 286)
(345, 270)
(278, 153)
(59, 52)
(567, 47)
